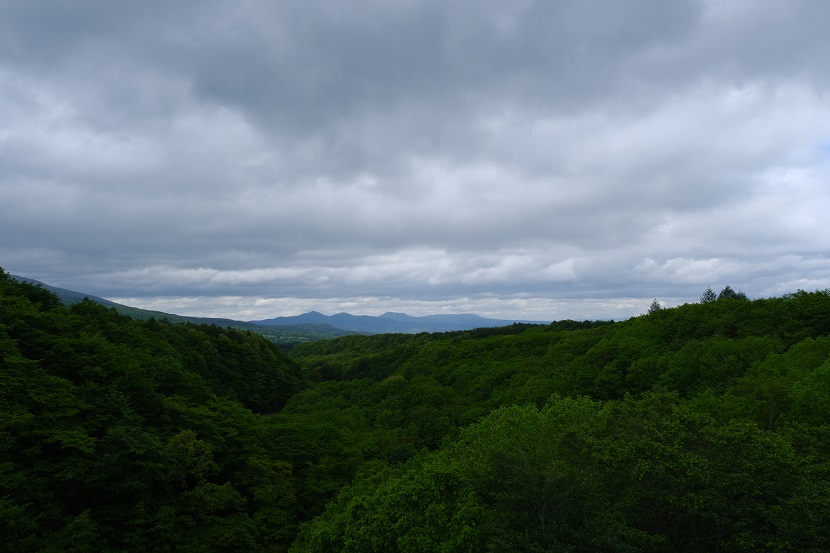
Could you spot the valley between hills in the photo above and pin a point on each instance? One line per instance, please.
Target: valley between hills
(704, 427)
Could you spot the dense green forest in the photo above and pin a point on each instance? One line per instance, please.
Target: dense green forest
(704, 427)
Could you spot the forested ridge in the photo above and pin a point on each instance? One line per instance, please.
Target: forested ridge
(704, 427)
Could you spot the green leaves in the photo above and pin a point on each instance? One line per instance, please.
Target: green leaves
(708, 296)
(657, 473)
(424, 508)
(111, 437)
(701, 427)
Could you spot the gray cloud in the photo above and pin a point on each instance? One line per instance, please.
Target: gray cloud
(439, 154)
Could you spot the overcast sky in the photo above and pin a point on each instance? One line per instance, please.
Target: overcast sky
(527, 159)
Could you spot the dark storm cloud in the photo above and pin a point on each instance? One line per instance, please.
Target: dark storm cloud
(422, 151)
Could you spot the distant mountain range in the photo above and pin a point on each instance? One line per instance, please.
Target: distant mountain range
(391, 322)
(308, 326)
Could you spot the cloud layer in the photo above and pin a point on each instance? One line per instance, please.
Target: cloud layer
(566, 159)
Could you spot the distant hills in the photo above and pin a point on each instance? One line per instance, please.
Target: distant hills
(283, 336)
(391, 322)
(308, 326)
(68, 296)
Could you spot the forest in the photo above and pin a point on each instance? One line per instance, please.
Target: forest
(703, 427)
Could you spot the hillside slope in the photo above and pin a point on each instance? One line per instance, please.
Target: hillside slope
(118, 435)
(700, 428)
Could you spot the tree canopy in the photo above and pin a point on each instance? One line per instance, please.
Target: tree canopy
(701, 427)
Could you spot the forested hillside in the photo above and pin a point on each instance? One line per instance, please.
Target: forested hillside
(123, 435)
(699, 428)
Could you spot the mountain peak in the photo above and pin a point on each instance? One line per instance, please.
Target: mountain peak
(397, 316)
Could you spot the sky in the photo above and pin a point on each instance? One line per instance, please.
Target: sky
(537, 160)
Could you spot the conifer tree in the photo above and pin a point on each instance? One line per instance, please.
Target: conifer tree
(654, 307)
(708, 296)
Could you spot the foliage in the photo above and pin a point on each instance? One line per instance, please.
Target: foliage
(695, 428)
(424, 507)
(729, 294)
(708, 296)
(702, 427)
(654, 307)
(118, 434)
